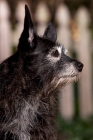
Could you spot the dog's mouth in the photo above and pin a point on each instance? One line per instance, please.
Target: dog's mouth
(66, 76)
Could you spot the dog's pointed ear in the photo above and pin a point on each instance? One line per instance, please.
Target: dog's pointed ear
(28, 33)
(27, 20)
(50, 33)
(28, 25)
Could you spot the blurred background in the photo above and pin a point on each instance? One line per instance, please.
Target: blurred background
(73, 20)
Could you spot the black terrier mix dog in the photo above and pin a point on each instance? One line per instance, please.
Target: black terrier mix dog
(28, 81)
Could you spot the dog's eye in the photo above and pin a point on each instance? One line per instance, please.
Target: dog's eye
(55, 53)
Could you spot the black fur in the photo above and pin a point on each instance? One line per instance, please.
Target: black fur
(28, 80)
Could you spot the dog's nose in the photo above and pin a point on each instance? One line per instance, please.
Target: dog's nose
(79, 66)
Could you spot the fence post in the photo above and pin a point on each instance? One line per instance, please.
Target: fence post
(66, 99)
(5, 31)
(83, 48)
(42, 16)
(19, 15)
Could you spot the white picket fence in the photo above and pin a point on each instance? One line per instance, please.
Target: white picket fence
(78, 38)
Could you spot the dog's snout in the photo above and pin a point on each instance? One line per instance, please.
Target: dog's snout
(79, 66)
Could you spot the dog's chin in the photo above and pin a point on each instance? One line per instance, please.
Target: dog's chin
(64, 80)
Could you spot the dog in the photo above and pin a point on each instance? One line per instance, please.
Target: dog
(29, 80)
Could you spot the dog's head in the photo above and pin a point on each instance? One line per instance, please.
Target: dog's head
(45, 57)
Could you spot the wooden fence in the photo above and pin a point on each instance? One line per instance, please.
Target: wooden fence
(74, 33)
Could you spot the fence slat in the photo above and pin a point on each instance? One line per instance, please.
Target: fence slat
(42, 16)
(83, 47)
(5, 31)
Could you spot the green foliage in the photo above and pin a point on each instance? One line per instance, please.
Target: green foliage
(14, 49)
(78, 129)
